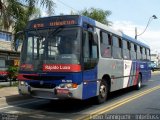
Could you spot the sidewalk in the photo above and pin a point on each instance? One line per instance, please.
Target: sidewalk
(8, 95)
(8, 91)
(155, 72)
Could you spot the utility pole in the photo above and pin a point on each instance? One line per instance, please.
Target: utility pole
(149, 21)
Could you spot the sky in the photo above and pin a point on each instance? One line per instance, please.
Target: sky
(126, 15)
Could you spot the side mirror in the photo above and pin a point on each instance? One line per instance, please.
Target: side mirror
(95, 37)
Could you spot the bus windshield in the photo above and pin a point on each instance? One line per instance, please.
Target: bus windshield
(51, 46)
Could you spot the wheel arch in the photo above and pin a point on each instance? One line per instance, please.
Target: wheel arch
(140, 73)
(107, 79)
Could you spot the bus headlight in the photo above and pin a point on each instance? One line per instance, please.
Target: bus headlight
(22, 82)
(62, 85)
(68, 85)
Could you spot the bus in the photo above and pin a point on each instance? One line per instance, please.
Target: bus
(73, 56)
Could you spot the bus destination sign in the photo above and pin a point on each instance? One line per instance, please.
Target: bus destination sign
(51, 22)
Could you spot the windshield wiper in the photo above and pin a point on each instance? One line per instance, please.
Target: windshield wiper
(57, 30)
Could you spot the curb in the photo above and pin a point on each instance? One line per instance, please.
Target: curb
(155, 72)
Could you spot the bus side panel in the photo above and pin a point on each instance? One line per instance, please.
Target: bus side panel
(89, 83)
(145, 71)
(128, 71)
(133, 74)
(113, 68)
(148, 70)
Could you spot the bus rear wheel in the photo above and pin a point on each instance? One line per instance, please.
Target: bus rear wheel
(139, 83)
(103, 92)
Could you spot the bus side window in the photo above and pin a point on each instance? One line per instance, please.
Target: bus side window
(117, 47)
(141, 51)
(135, 49)
(86, 45)
(105, 44)
(138, 53)
(133, 52)
(90, 50)
(144, 55)
(148, 54)
(126, 49)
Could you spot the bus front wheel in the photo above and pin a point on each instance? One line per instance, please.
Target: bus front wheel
(103, 92)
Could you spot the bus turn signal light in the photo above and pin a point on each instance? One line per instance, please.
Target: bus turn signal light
(74, 85)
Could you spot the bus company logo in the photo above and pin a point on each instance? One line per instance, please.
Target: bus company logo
(56, 67)
(141, 66)
(62, 67)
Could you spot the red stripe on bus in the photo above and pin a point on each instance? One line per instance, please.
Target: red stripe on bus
(21, 76)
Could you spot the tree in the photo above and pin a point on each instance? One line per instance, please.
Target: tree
(12, 73)
(11, 10)
(16, 13)
(97, 14)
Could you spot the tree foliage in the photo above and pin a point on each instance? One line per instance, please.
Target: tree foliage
(97, 14)
(12, 72)
(16, 13)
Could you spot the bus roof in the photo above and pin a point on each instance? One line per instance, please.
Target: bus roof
(109, 29)
(78, 20)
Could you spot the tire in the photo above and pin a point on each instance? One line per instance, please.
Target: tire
(139, 83)
(103, 92)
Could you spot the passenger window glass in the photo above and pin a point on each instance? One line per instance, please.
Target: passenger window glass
(117, 47)
(126, 49)
(105, 44)
(133, 51)
(139, 53)
(90, 50)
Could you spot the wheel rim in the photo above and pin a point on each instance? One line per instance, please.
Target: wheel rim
(139, 84)
(103, 91)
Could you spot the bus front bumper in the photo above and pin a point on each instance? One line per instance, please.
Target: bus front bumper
(55, 93)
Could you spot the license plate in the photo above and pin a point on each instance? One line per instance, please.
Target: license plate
(62, 91)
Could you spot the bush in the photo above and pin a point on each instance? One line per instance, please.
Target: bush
(12, 72)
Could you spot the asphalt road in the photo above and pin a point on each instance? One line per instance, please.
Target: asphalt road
(123, 102)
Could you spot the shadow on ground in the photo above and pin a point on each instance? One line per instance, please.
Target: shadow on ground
(69, 105)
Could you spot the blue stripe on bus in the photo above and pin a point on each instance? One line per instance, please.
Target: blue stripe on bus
(75, 77)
